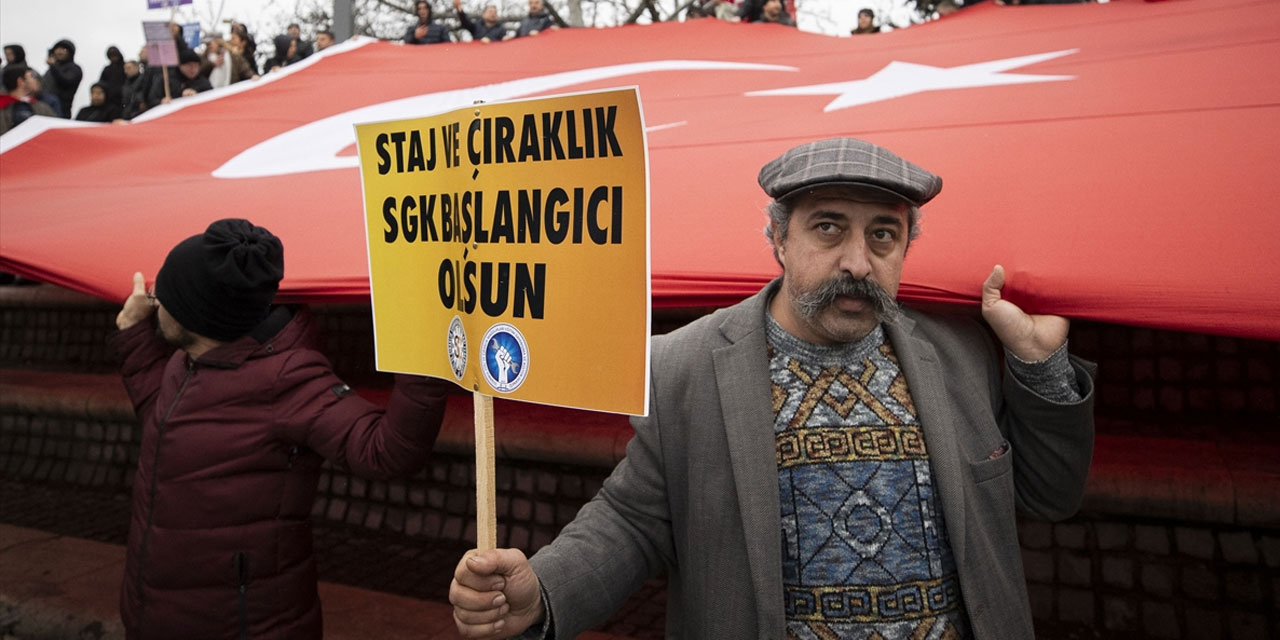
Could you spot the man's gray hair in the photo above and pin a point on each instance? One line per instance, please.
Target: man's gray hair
(780, 220)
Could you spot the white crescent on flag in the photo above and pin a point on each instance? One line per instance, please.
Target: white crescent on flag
(315, 146)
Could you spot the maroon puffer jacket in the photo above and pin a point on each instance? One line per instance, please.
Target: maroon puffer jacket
(232, 442)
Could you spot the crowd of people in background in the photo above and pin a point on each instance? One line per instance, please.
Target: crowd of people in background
(128, 88)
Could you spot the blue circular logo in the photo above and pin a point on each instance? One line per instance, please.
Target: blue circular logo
(505, 358)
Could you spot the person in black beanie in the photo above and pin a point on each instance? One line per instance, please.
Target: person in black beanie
(236, 422)
(219, 284)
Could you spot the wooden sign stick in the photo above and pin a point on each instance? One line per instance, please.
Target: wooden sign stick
(486, 489)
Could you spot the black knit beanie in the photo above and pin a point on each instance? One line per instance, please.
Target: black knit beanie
(220, 284)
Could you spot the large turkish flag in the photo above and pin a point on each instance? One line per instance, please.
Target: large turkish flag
(1118, 159)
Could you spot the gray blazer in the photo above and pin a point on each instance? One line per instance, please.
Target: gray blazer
(697, 493)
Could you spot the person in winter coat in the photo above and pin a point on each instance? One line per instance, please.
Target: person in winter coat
(133, 97)
(242, 43)
(866, 23)
(489, 29)
(305, 47)
(99, 109)
(39, 93)
(538, 20)
(286, 53)
(774, 13)
(183, 81)
(64, 75)
(324, 40)
(113, 76)
(17, 103)
(238, 411)
(425, 30)
(759, 11)
(14, 54)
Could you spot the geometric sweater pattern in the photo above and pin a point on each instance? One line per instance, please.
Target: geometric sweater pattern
(865, 552)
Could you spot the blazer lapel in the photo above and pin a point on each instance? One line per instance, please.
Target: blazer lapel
(927, 383)
(742, 378)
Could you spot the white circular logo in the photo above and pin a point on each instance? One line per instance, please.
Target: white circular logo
(456, 346)
(504, 358)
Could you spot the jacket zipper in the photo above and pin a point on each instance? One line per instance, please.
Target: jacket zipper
(242, 578)
(155, 473)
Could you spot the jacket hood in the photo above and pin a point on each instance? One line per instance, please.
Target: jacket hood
(69, 46)
(282, 46)
(19, 53)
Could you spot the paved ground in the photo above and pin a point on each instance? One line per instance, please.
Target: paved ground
(56, 587)
(374, 585)
(353, 560)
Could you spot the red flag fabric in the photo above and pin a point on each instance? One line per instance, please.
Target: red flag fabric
(1117, 159)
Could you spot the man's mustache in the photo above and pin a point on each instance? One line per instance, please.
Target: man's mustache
(816, 300)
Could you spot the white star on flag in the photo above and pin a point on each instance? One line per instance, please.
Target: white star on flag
(899, 79)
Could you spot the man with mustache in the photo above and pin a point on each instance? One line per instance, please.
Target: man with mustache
(818, 462)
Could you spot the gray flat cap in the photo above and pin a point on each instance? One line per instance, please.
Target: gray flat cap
(847, 161)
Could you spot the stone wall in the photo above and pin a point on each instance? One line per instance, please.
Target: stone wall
(1127, 577)
(62, 446)
(1179, 537)
(1117, 575)
(1165, 382)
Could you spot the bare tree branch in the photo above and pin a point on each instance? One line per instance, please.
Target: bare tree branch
(653, 11)
(635, 15)
(684, 6)
(409, 10)
(555, 15)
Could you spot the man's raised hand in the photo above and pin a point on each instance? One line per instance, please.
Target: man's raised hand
(1030, 337)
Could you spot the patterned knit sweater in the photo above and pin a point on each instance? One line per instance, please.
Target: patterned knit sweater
(865, 549)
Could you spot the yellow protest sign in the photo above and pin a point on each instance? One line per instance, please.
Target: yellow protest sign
(509, 248)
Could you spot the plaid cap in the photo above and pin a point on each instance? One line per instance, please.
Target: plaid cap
(847, 161)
